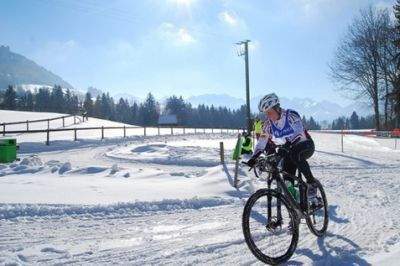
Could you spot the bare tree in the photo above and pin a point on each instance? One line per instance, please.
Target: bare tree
(388, 65)
(395, 95)
(356, 65)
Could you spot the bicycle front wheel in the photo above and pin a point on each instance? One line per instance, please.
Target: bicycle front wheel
(270, 227)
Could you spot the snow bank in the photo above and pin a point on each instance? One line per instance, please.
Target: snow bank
(159, 153)
(31, 164)
(9, 211)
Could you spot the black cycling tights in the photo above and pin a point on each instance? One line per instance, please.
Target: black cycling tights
(297, 158)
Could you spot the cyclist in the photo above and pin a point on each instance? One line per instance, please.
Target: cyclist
(284, 127)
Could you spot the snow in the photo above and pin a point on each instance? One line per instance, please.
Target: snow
(64, 137)
(167, 200)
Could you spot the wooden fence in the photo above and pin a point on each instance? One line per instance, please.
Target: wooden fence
(123, 128)
(28, 122)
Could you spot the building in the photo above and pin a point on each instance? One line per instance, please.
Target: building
(167, 120)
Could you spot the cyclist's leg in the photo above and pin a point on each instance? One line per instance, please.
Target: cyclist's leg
(290, 167)
(299, 154)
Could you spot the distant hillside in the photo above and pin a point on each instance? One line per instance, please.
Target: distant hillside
(16, 69)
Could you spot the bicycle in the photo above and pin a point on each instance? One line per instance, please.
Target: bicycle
(283, 207)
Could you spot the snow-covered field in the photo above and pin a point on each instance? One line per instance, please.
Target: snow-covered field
(64, 137)
(167, 200)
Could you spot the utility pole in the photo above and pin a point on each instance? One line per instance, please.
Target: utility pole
(245, 52)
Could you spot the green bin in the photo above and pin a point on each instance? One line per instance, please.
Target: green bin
(8, 150)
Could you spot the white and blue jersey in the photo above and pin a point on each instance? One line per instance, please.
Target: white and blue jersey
(288, 128)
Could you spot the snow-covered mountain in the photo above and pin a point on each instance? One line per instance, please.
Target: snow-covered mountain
(320, 110)
(16, 69)
(216, 100)
(131, 98)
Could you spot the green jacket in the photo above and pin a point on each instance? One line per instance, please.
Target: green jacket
(258, 126)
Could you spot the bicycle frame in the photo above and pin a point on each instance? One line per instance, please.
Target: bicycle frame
(278, 174)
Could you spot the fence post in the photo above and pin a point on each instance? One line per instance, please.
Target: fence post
(48, 123)
(27, 125)
(75, 138)
(144, 131)
(74, 119)
(4, 129)
(63, 119)
(158, 130)
(184, 131)
(102, 131)
(48, 137)
(204, 131)
(342, 139)
(221, 152)
(221, 130)
(172, 131)
(395, 143)
(212, 130)
(195, 131)
(124, 131)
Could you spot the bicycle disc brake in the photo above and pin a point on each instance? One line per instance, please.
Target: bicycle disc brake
(273, 224)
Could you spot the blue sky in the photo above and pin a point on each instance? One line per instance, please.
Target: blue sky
(183, 47)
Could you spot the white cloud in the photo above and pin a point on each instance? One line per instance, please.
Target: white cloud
(186, 3)
(228, 18)
(178, 36)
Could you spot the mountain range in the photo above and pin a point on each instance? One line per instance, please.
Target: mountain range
(319, 110)
(18, 70)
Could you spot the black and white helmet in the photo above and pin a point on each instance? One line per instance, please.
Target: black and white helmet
(268, 101)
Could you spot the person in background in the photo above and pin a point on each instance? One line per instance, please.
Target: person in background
(257, 127)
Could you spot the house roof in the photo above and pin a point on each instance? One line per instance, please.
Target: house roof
(167, 120)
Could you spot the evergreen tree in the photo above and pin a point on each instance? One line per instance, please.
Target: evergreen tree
(178, 107)
(57, 102)
(88, 104)
(68, 105)
(97, 107)
(148, 111)
(134, 114)
(74, 105)
(29, 101)
(313, 124)
(122, 111)
(105, 110)
(354, 121)
(339, 123)
(43, 100)
(10, 98)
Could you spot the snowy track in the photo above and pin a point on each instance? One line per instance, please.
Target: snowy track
(361, 185)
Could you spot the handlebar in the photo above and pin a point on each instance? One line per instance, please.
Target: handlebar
(245, 163)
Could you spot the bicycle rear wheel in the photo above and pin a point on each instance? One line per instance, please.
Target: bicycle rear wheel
(270, 227)
(318, 218)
